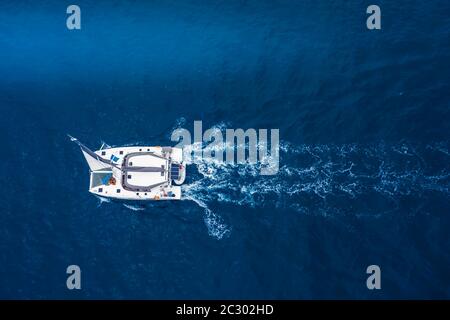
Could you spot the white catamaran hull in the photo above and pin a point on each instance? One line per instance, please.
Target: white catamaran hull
(135, 173)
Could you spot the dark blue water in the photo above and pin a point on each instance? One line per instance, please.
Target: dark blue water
(364, 159)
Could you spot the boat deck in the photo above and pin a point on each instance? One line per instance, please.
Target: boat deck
(141, 173)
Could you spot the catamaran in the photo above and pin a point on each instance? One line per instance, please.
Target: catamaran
(136, 172)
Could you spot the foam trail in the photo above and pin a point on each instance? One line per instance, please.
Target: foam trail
(325, 179)
(214, 223)
(133, 208)
(102, 200)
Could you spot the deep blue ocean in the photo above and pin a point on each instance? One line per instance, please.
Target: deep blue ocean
(364, 159)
